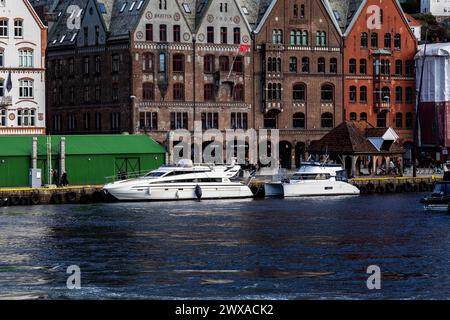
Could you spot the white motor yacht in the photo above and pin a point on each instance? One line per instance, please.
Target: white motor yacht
(182, 182)
(313, 179)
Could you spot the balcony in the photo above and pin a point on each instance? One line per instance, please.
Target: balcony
(5, 101)
(382, 106)
(273, 105)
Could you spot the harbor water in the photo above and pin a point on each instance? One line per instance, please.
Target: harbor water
(304, 248)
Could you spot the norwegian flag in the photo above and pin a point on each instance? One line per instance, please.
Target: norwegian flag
(243, 48)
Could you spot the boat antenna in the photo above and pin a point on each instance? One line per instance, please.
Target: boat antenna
(416, 109)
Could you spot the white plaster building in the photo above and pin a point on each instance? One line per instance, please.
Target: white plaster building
(438, 8)
(23, 40)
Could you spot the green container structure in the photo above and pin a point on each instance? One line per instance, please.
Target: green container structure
(89, 159)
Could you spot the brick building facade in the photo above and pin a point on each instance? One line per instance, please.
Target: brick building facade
(379, 85)
(298, 68)
(145, 66)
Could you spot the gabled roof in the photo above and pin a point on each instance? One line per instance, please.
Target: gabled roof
(122, 23)
(357, 138)
(344, 11)
(255, 9)
(266, 13)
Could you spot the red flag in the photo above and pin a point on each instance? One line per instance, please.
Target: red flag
(244, 48)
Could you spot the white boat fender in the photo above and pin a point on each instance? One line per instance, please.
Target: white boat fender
(198, 192)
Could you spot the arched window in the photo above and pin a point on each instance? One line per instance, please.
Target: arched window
(333, 65)
(386, 94)
(295, 11)
(387, 40)
(381, 119)
(363, 94)
(292, 37)
(305, 38)
(352, 116)
(398, 120)
(363, 116)
(409, 95)
(352, 66)
(305, 65)
(299, 92)
(374, 40)
(278, 67)
(323, 39)
(148, 91)
(271, 119)
(397, 41)
(398, 94)
(352, 94)
(238, 65)
(269, 64)
(327, 93)
(363, 66)
(277, 36)
(298, 120)
(321, 65)
(178, 63)
(292, 64)
(398, 67)
(238, 93)
(364, 40)
(327, 120)
(274, 91)
(408, 120)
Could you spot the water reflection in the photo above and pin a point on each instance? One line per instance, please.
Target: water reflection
(293, 248)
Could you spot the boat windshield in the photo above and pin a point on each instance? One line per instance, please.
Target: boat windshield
(341, 175)
(155, 174)
(439, 188)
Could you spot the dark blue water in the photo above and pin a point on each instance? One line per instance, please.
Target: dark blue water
(269, 249)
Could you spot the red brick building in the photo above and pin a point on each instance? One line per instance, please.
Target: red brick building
(298, 71)
(379, 49)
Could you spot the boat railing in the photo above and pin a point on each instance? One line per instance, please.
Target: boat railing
(122, 175)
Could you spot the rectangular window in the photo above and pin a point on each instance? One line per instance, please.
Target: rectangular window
(178, 120)
(18, 28)
(210, 120)
(98, 120)
(2, 59)
(3, 28)
(208, 92)
(148, 121)
(2, 88)
(86, 66)
(115, 120)
(26, 88)
(223, 35)
(26, 58)
(210, 34)
(239, 120)
(224, 63)
(115, 63)
(87, 121)
(237, 35)
(3, 117)
(149, 32)
(178, 91)
(176, 33)
(162, 33)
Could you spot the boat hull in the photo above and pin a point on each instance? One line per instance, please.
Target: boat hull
(319, 188)
(181, 192)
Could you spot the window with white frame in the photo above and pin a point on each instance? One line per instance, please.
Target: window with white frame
(2, 58)
(26, 117)
(3, 28)
(26, 88)
(18, 28)
(26, 58)
(2, 88)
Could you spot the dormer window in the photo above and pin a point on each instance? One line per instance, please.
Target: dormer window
(123, 7)
(132, 6)
(140, 5)
(245, 10)
(186, 7)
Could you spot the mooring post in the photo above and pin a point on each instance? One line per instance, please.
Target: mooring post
(62, 156)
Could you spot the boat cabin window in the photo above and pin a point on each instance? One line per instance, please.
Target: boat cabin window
(195, 180)
(311, 176)
(155, 174)
(341, 175)
(176, 173)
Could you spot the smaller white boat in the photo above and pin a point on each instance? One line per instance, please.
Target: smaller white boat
(313, 179)
(182, 182)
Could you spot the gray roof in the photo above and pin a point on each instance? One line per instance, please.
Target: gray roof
(256, 10)
(122, 23)
(344, 11)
